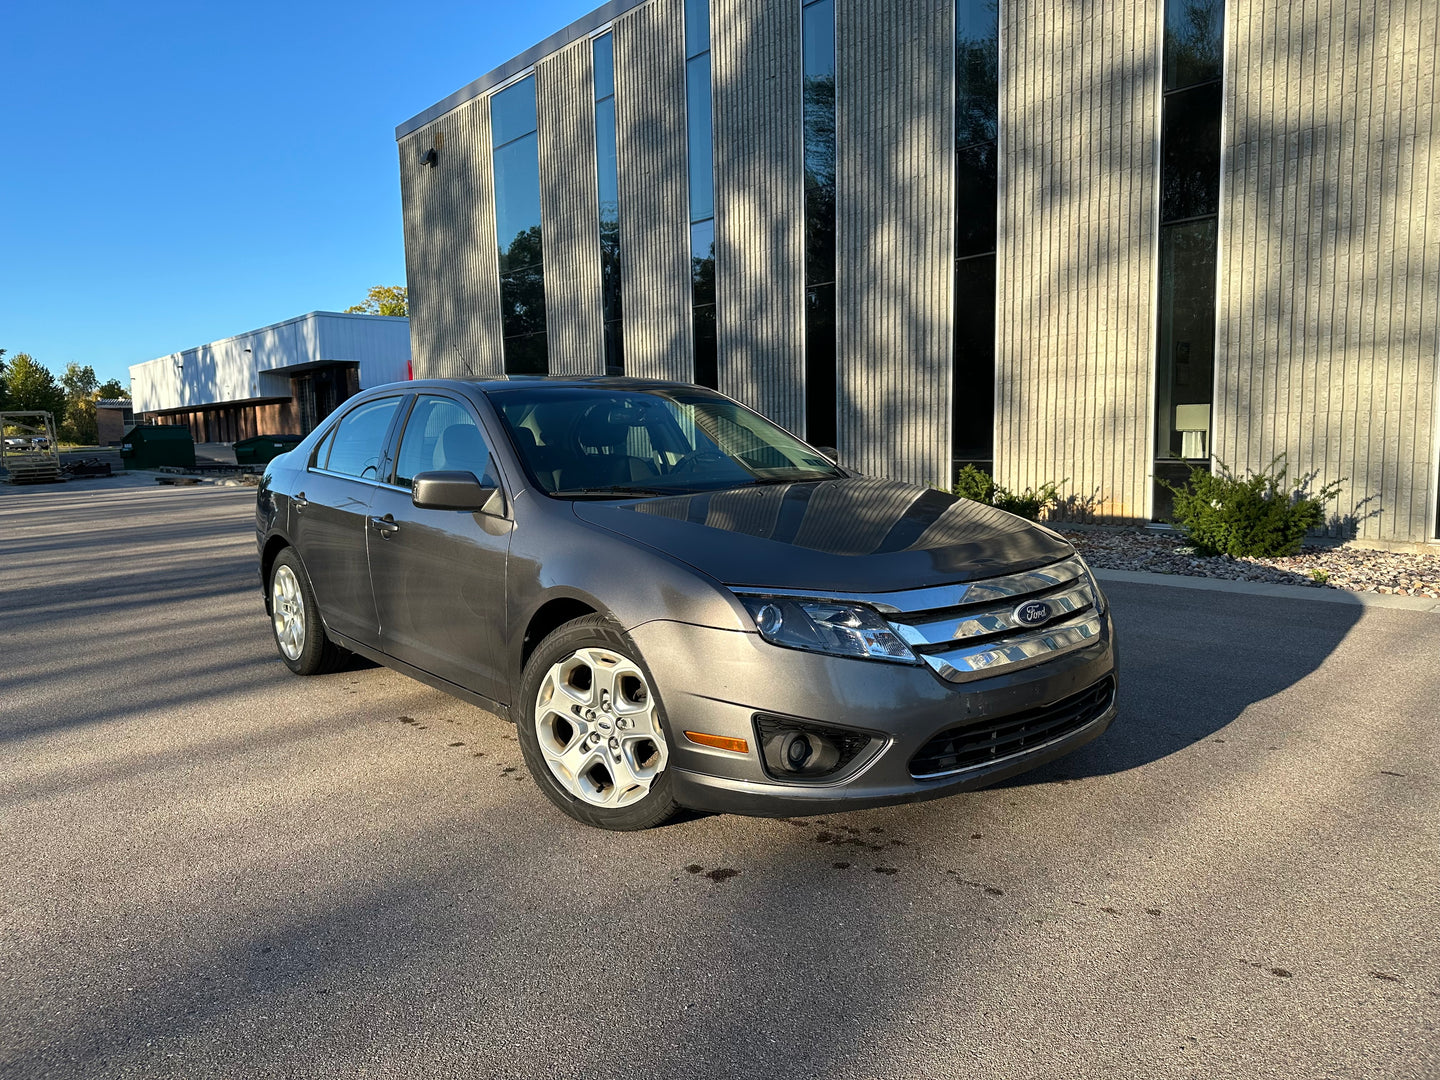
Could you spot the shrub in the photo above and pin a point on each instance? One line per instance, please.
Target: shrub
(973, 483)
(1262, 515)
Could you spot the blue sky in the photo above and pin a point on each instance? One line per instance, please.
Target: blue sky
(176, 173)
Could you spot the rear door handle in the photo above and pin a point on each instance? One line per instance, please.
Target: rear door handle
(300, 501)
(385, 526)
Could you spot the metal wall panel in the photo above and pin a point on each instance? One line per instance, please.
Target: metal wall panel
(895, 140)
(240, 367)
(1327, 347)
(451, 257)
(1075, 281)
(759, 206)
(654, 192)
(570, 211)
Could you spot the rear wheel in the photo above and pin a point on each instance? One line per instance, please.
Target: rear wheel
(592, 728)
(295, 619)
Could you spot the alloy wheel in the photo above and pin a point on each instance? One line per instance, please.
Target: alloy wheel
(598, 729)
(287, 608)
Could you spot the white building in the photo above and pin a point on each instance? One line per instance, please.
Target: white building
(279, 379)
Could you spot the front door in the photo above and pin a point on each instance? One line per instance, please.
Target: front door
(439, 575)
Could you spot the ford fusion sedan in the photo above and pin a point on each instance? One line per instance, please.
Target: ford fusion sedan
(678, 602)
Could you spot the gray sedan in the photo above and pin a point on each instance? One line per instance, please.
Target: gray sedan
(678, 602)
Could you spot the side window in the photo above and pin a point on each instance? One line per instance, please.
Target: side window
(440, 435)
(322, 452)
(360, 438)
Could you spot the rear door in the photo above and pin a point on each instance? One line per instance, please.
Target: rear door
(330, 516)
(439, 575)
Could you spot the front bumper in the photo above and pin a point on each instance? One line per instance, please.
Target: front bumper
(715, 681)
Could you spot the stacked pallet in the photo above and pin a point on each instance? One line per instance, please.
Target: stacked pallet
(33, 468)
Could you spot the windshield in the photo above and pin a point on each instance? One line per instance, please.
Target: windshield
(602, 442)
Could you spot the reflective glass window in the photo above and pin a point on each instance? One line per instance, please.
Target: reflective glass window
(977, 71)
(518, 228)
(604, 52)
(697, 27)
(974, 397)
(975, 200)
(607, 175)
(820, 426)
(818, 110)
(517, 203)
(977, 152)
(1185, 375)
(702, 286)
(1194, 42)
(697, 98)
(360, 439)
(512, 112)
(1190, 163)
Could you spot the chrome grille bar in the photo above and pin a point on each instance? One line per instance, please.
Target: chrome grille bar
(978, 661)
(985, 623)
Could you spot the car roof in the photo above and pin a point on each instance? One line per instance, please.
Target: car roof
(490, 385)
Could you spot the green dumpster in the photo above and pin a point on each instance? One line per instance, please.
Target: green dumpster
(258, 449)
(149, 446)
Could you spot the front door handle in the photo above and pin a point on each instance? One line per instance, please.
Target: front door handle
(385, 526)
(300, 501)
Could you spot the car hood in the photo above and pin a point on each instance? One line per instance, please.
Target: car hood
(844, 535)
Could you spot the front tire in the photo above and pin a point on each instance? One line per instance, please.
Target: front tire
(295, 619)
(592, 728)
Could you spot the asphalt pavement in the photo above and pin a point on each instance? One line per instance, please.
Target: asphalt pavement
(213, 868)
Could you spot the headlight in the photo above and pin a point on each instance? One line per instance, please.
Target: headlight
(1094, 584)
(826, 627)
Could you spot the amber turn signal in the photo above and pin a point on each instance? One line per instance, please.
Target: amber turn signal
(719, 742)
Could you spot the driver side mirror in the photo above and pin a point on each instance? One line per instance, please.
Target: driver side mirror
(443, 490)
(830, 452)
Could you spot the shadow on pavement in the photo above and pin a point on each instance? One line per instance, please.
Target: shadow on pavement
(1237, 649)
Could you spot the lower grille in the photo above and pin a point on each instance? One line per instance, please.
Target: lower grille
(972, 746)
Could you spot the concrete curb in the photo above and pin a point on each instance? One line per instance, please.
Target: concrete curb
(1265, 588)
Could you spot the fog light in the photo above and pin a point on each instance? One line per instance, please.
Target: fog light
(791, 750)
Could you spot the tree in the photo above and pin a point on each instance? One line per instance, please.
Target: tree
(113, 389)
(30, 386)
(383, 300)
(4, 393)
(80, 384)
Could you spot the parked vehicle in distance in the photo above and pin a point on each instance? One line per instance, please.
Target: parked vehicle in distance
(679, 603)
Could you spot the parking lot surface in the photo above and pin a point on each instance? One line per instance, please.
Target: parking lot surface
(213, 868)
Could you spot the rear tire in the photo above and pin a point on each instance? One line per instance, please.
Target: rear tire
(592, 728)
(295, 620)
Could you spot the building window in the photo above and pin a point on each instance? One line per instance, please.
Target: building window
(977, 140)
(818, 38)
(607, 177)
(702, 190)
(1189, 238)
(517, 228)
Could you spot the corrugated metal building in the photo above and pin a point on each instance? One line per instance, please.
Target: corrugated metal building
(1093, 242)
(281, 379)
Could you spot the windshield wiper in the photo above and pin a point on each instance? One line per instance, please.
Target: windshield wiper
(618, 491)
(758, 481)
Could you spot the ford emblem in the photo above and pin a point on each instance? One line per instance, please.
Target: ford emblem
(1033, 613)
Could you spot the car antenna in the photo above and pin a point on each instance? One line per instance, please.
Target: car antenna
(461, 356)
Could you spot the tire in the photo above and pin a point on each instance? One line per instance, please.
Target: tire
(295, 620)
(592, 728)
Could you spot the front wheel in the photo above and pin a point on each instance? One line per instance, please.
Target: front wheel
(592, 728)
(295, 619)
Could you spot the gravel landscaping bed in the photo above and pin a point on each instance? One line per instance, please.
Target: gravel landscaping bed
(1355, 569)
